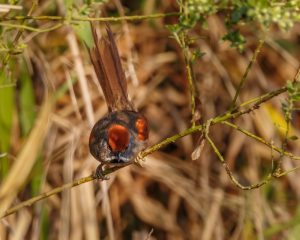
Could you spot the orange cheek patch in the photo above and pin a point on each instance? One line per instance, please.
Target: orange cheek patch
(118, 138)
(142, 129)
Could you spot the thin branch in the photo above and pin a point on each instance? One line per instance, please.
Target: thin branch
(180, 37)
(33, 200)
(191, 81)
(297, 75)
(230, 174)
(263, 141)
(127, 18)
(219, 119)
(42, 196)
(32, 29)
(258, 100)
(19, 33)
(9, 85)
(88, 19)
(256, 103)
(287, 172)
(243, 80)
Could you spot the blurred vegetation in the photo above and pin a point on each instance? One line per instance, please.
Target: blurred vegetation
(188, 80)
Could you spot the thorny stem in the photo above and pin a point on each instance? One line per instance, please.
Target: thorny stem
(143, 154)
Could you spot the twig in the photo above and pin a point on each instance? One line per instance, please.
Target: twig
(219, 119)
(31, 201)
(42, 196)
(8, 85)
(88, 19)
(287, 115)
(19, 33)
(180, 37)
(32, 29)
(256, 103)
(243, 80)
(191, 81)
(263, 141)
(230, 174)
(297, 75)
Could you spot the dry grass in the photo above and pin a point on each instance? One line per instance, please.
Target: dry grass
(172, 196)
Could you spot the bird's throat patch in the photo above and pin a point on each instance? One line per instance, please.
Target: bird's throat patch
(118, 137)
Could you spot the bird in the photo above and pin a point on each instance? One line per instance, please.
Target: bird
(118, 137)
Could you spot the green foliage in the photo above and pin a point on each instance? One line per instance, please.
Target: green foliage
(84, 33)
(27, 102)
(293, 224)
(293, 90)
(236, 39)
(45, 222)
(238, 12)
(283, 13)
(27, 117)
(12, 50)
(6, 118)
(76, 8)
(37, 176)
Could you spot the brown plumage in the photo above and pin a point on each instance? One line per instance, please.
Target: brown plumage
(105, 58)
(122, 133)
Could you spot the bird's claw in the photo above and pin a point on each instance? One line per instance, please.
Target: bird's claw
(99, 174)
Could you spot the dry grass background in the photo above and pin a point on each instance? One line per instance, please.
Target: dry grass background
(172, 196)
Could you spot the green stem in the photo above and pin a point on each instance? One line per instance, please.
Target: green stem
(127, 18)
(230, 174)
(100, 19)
(42, 196)
(263, 141)
(243, 80)
(19, 33)
(32, 29)
(219, 119)
(190, 76)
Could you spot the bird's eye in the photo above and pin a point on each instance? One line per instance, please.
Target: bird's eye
(141, 126)
(118, 137)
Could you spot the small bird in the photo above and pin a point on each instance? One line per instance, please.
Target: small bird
(122, 133)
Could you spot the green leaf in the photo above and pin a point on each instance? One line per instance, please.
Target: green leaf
(290, 86)
(238, 14)
(37, 177)
(45, 223)
(7, 107)
(236, 38)
(197, 54)
(69, 3)
(293, 138)
(27, 102)
(296, 97)
(83, 31)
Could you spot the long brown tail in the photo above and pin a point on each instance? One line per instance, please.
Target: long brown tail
(106, 60)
